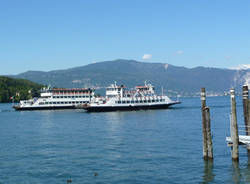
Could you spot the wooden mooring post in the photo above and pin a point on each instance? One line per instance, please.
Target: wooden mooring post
(246, 108)
(206, 128)
(209, 134)
(246, 111)
(234, 128)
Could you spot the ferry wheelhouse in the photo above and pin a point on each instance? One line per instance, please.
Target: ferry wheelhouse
(118, 98)
(57, 99)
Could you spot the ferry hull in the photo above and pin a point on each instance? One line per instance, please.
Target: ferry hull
(18, 108)
(127, 108)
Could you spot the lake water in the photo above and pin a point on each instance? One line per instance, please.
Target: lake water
(155, 146)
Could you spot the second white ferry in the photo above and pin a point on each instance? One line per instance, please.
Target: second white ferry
(117, 98)
(57, 99)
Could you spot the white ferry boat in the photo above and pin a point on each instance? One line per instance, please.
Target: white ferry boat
(57, 99)
(118, 99)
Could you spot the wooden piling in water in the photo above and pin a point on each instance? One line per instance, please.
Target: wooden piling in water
(204, 124)
(234, 127)
(209, 135)
(246, 108)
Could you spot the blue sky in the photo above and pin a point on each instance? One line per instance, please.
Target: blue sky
(58, 34)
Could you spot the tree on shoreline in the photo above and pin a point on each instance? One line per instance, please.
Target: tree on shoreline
(17, 89)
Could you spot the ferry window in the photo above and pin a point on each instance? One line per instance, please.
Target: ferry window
(58, 102)
(160, 100)
(54, 102)
(77, 102)
(57, 97)
(65, 96)
(123, 101)
(73, 102)
(76, 96)
(119, 102)
(41, 103)
(54, 97)
(136, 101)
(157, 100)
(46, 103)
(145, 101)
(69, 96)
(132, 101)
(66, 102)
(128, 101)
(140, 101)
(153, 100)
(163, 100)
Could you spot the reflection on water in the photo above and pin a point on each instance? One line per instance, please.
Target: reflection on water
(241, 174)
(245, 176)
(236, 176)
(208, 171)
(247, 172)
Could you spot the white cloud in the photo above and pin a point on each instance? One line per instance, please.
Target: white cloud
(228, 57)
(179, 52)
(147, 56)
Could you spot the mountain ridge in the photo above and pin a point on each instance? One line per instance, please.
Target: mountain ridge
(179, 79)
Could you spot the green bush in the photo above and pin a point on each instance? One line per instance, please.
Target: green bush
(19, 89)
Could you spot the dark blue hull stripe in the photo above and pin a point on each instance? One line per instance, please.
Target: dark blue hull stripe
(127, 108)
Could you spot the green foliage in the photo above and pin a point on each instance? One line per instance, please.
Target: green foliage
(19, 89)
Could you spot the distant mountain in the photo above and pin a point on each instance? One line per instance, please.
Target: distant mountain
(17, 89)
(179, 80)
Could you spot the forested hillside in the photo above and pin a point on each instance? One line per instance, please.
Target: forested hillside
(17, 89)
